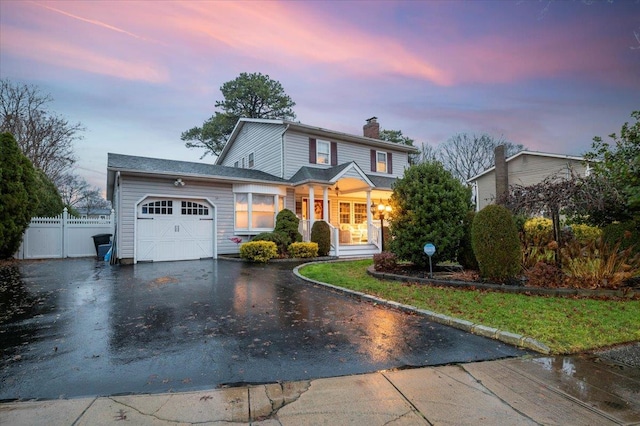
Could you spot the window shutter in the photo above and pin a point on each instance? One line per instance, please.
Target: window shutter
(312, 151)
(373, 161)
(389, 163)
(334, 154)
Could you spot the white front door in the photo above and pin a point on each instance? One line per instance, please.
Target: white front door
(174, 229)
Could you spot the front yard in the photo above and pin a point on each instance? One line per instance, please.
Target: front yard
(566, 325)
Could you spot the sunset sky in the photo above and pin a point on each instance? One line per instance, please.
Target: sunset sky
(548, 75)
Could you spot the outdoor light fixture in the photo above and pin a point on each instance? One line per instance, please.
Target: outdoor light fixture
(178, 182)
(381, 209)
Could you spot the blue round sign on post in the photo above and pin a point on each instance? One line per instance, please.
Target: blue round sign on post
(429, 249)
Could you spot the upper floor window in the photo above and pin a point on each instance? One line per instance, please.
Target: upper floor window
(236, 164)
(251, 161)
(323, 153)
(243, 162)
(381, 162)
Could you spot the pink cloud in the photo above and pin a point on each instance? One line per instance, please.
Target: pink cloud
(56, 52)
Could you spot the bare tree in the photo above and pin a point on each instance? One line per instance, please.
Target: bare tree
(43, 136)
(467, 155)
(78, 194)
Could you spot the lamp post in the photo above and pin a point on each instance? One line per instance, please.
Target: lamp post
(381, 209)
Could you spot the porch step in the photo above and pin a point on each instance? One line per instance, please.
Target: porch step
(357, 250)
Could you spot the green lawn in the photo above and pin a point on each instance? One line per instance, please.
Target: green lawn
(566, 325)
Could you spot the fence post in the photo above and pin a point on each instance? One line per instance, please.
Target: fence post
(65, 236)
(112, 221)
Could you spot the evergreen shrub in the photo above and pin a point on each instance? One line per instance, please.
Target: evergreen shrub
(496, 244)
(287, 223)
(321, 234)
(259, 251)
(303, 250)
(279, 238)
(428, 205)
(466, 257)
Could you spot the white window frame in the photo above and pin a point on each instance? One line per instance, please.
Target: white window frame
(251, 160)
(236, 164)
(321, 156)
(378, 162)
(250, 229)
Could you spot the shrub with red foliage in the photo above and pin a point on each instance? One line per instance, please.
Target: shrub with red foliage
(385, 262)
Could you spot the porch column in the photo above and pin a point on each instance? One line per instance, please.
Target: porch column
(325, 204)
(312, 203)
(369, 218)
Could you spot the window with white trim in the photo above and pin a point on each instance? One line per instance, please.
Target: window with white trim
(236, 164)
(381, 161)
(190, 208)
(157, 207)
(255, 212)
(251, 161)
(323, 152)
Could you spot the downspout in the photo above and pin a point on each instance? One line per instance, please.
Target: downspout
(282, 151)
(114, 246)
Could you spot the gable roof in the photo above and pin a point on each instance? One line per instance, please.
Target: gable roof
(312, 130)
(525, 152)
(158, 166)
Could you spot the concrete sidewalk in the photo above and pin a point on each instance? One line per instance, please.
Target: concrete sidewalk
(542, 390)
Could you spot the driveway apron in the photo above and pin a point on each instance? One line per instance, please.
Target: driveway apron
(88, 328)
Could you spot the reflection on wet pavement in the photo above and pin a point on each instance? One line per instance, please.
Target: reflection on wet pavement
(98, 329)
(612, 388)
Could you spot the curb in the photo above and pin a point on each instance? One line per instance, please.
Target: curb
(468, 326)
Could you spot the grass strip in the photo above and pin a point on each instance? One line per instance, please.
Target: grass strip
(566, 325)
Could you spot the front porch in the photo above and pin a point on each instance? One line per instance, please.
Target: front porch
(345, 203)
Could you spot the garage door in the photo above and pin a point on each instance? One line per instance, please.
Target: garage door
(174, 229)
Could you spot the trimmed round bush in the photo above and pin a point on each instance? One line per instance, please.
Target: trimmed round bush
(303, 250)
(259, 251)
(321, 234)
(495, 242)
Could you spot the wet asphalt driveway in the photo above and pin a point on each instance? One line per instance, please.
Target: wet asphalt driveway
(96, 329)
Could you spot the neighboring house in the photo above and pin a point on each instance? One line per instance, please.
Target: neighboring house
(176, 210)
(93, 213)
(524, 168)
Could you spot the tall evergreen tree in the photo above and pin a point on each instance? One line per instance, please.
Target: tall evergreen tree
(17, 195)
(429, 205)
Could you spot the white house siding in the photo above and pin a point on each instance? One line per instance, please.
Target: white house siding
(297, 155)
(264, 141)
(134, 188)
(526, 170)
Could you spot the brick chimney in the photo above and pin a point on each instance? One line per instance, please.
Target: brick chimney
(502, 176)
(372, 128)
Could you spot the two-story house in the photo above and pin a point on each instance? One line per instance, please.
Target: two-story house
(176, 210)
(524, 168)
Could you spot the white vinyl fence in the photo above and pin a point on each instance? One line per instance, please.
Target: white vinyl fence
(62, 236)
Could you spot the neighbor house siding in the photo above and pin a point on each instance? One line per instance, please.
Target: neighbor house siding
(526, 170)
(297, 155)
(264, 141)
(134, 188)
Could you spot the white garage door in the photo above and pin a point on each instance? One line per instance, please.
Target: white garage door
(174, 229)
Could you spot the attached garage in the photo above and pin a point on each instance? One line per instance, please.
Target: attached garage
(174, 229)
